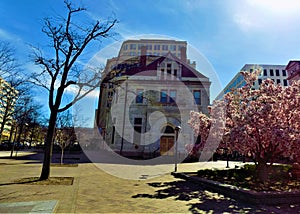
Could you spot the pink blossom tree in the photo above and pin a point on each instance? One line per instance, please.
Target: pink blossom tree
(262, 124)
(209, 128)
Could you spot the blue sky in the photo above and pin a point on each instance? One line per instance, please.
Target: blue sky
(228, 33)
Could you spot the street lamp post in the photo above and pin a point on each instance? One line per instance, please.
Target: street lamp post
(124, 116)
(177, 130)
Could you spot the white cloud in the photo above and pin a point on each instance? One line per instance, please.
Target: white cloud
(265, 15)
(276, 7)
(246, 22)
(4, 35)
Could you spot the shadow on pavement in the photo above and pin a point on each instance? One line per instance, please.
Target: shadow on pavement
(19, 182)
(37, 157)
(204, 200)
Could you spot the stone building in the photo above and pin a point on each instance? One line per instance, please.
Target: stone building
(144, 98)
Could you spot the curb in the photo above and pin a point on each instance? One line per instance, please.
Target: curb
(253, 197)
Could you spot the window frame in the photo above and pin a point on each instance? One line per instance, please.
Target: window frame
(139, 99)
(197, 100)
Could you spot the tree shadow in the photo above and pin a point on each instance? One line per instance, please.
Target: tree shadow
(37, 181)
(36, 157)
(201, 200)
(20, 182)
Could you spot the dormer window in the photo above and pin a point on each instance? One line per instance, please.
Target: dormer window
(175, 72)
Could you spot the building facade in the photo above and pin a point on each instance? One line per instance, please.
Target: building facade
(8, 97)
(144, 98)
(277, 73)
(293, 69)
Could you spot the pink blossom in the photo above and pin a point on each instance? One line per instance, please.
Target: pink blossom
(263, 124)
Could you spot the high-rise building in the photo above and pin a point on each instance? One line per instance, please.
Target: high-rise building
(8, 97)
(154, 47)
(277, 73)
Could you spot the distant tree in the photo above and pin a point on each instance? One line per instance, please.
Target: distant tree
(25, 112)
(65, 133)
(262, 124)
(69, 39)
(8, 60)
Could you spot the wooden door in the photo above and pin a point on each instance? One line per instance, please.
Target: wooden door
(166, 144)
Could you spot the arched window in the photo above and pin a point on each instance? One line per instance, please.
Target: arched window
(168, 130)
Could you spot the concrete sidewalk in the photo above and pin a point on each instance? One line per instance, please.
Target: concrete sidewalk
(96, 190)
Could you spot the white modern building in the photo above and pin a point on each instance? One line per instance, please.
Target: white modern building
(8, 97)
(277, 73)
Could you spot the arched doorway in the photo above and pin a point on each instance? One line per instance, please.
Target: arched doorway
(167, 140)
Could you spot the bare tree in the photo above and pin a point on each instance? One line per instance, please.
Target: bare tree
(65, 133)
(8, 61)
(61, 71)
(25, 111)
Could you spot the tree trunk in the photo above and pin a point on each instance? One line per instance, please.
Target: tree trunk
(4, 120)
(11, 133)
(48, 146)
(262, 171)
(15, 135)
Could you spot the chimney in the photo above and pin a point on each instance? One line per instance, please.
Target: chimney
(183, 53)
(143, 57)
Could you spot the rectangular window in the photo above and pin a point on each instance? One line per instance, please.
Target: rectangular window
(283, 73)
(163, 96)
(175, 72)
(139, 96)
(162, 74)
(285, 82)
(157, 47)
(259, 81)
(169, 65)
(132, 46)
(278, 81)
(271, 72)
(138, 123)
(197, 97)
(172, 96)
(164, 47)
(172, 47)
(265, 72)
(149, 47)
(140, 46)
(277, 72)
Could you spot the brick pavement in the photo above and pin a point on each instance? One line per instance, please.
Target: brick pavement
(95, 191)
